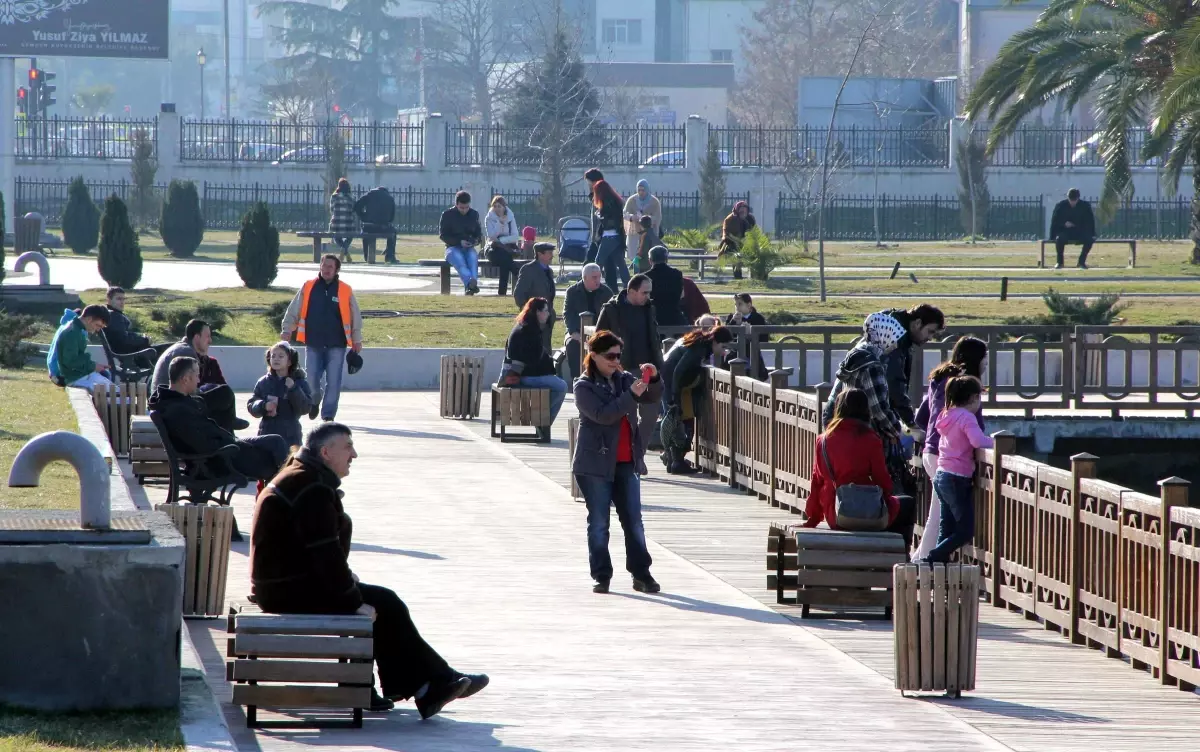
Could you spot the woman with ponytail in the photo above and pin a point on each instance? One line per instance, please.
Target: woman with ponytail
(608, 227)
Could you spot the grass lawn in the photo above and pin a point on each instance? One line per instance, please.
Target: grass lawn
(32, 405)
(150, 731)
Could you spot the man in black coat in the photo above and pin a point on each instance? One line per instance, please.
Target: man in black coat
(668, 288)
(536, 280)
(121, 336)
(587, 295)
(377, 210)
(462, 234)
(631, 317)
(1073, 222)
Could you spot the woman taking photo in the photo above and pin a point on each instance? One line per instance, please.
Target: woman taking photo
(609, 457)
(683, 395)
(608, 228)
(527, 363)
(502, 237)
(343, 225)
(968, 358)
(851, 453)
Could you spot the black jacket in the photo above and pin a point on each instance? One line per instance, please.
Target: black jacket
(579, 300)
(610, 216)
(668, 294)
(758, 368)
(1079, 215)
(525, 354)
(637, 327)
(121, 336)
(899, 367)
(456, 227)
(376, 207)
(186, 418)
(292, 405)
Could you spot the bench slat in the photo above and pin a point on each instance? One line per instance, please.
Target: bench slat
(301, 646)
(147, 454)
(862, 560)
(324, 672)
(300, 696)
(851, 597)
(303, 624)
(837, 540)
(848, 578)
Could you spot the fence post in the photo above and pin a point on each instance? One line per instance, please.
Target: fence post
(1006, 444)
(779, 380)
(1174, 493)
(1083, 465)
(823, 391)
(586, 319)
(737, 367)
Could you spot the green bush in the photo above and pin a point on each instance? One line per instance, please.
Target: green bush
(699, 239)
(1064, 310)
(182, 222)
(258, 248)
(761, 256)
(275, 312)
(120, 256)
(80, 218)
(177, 318)
(14, 330)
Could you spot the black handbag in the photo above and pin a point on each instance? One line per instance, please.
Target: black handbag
(858, 507)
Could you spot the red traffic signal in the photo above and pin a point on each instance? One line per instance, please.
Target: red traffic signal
(34, 74)
(22, 92)
(337, 108)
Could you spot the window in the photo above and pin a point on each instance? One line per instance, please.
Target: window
(622, 31)
(722, 56)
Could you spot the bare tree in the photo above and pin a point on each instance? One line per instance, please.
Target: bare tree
(471, 47)
(296, 100)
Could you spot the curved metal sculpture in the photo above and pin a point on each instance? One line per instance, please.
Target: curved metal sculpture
(95, 508)
(33, 257)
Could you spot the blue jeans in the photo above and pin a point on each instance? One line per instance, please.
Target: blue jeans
(465, 261)
(957, 500)
(611, 258)
(624, 492)
(557, 387)
(326, 363)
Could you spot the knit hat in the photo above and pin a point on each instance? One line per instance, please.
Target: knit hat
(883, 331)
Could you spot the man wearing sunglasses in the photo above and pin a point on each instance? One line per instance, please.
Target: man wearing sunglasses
(631, 317)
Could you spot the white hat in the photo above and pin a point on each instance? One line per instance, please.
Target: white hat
(883, 331)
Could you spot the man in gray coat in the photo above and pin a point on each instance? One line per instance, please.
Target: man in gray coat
(218, 396)
(631, 317)
(587, 295)
(536, 280)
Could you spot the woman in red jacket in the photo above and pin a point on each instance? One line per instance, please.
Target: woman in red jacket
(856, 453)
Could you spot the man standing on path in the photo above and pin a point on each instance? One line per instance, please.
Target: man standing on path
(668, 288)
(325, 317)
(631, 317)
(587, 295)
(377, 210)
(536, 280)
(462, 234)
(218, 396)
(1073, 222)
(299, 551)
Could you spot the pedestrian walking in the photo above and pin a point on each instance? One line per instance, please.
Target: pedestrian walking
(608, 229)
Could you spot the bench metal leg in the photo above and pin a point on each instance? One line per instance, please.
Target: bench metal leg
(317, 249)
(251, 716)
(1133, 254)
(702, 269)
(445, 278)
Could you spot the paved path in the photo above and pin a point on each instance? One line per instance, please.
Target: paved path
(484, 543)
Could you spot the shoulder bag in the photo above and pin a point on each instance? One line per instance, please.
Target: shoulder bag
(858, 507)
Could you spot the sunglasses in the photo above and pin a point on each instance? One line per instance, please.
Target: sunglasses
(611, 356)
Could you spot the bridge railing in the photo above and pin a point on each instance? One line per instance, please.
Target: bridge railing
(1104, 565)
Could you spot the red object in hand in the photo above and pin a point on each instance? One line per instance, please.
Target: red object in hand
(647, 373)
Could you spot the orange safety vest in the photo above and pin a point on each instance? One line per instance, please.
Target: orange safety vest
(343, 296)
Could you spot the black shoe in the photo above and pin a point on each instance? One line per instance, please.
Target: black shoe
(1058, 266)
(478, 682)
(379, 703)
(236, 536)
(315, 410)
(438, 697)
(682, 467)
(601, 586)
(647, 585)
(240, 424)
(1082, 265)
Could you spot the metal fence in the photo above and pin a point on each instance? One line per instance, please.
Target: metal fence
(49, 197)
(299, 142)
(907, 218)
(79, 137)
(1071, 146)
(611, 146)
(802, 148)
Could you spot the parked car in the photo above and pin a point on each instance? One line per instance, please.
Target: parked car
(677, 158)
(253, 152)
(354, 154)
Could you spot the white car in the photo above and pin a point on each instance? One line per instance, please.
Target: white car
(677, 158)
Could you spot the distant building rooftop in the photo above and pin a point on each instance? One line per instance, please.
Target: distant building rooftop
(661, 75)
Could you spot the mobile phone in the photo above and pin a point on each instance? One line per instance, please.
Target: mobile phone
(647, 374)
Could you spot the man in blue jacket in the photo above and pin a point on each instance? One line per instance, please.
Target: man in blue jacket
(462, 234)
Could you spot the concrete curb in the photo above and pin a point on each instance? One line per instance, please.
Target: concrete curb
(201, 721)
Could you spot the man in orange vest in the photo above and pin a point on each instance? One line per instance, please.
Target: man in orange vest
(325, 317)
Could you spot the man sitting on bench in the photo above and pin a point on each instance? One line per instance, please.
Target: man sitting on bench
(298, 565)
(1073, 222)
(121, 336)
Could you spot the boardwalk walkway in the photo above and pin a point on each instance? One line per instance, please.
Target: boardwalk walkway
(486, 546)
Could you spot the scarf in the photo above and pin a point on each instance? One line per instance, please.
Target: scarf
(643, 205)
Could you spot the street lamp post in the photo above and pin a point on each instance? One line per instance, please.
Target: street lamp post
(201, 59)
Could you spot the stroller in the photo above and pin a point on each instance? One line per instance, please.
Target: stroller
(574, 237)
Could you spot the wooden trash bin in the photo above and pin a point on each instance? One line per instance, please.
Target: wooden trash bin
(572, 433)
(116, 408)
(936, 627)
(206, 531)
(461, 386)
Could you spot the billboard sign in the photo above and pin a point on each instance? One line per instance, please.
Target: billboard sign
(85, 28)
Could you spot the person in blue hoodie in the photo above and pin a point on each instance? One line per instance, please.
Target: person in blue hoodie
(282, 396)
(68, 361)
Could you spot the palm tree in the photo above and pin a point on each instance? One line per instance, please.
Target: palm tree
(1176, 124)
(1120, 53)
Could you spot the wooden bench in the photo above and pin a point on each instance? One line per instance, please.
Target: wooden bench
(206, 531)
(300, 661)
(444, 273)
(832, 569)
(696, 256)
(147, 455)
(460, 386)
(320, 236)
(514, 406)
(1098, 241)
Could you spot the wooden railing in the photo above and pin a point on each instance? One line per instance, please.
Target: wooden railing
(1107, 567)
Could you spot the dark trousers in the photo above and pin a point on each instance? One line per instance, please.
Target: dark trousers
(954, 493)
(1073, 238)
(905, 520)
(502, 257)
(624, 492)
(404, 659)
(389, 253)
(574, 358)
(261, 457)
(221, 403)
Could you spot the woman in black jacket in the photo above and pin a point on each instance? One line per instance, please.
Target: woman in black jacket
(527, 363)
(744, 313)
(608, 227)
(609, 454)
(683, 395)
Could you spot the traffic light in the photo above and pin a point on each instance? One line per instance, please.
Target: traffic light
(23, 100)
(34, 93)
(46, 93)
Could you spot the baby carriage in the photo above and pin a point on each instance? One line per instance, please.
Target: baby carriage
(574, 236)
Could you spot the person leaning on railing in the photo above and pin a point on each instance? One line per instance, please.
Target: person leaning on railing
(683, 395)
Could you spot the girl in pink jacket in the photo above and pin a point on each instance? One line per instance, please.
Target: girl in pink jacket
(954, 482)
